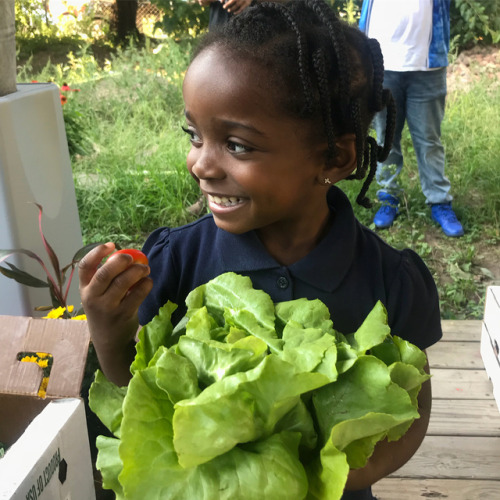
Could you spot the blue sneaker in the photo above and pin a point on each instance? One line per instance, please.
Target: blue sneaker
(443, 214)
(387, 212)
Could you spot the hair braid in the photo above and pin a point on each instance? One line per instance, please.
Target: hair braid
(301, 49)
(390, 125)
(337, 38)
(319, 65)
(382, 98)
(378, 75)
(371, 150)
(360, 141)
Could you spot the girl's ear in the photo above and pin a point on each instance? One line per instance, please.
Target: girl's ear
(344, 163)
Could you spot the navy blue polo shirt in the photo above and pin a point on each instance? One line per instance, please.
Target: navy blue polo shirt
(350, 270)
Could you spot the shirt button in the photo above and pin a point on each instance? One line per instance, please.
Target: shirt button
(282, 282)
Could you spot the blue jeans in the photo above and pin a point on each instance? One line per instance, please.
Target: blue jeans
(420, 101)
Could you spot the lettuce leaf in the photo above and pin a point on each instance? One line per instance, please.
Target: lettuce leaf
(239, 408)
(246, 399)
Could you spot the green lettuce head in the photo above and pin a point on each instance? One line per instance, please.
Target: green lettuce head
(246, 399)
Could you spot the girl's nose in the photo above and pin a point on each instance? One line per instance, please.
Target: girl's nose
(205, 164)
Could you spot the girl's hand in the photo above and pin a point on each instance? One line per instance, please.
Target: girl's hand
(111, 295)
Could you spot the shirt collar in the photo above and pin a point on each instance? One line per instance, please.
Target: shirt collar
(323, 268)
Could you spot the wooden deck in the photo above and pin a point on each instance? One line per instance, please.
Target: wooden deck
(460, 456)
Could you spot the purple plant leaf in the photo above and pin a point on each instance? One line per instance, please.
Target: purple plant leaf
(79, 255)
(5, 254)
(84, 251)
(50, 251)
(22, 277)
(57, 300)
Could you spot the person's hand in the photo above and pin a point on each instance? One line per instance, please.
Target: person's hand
(111, 295)
(236, 6)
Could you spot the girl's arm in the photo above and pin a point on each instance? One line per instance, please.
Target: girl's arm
(111, 295)
(388, 457)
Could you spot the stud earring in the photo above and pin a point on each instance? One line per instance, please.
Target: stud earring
(327, 180)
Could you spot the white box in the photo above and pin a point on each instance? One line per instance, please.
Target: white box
(490, 339)
(51, 460)
(42, 418)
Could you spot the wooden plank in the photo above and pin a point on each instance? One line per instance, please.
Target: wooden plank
(467, 417)
(461, 355)
(461, 330)
(454, 457)
(461, 384)
(410, 489)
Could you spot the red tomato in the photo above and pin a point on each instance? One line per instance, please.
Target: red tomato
(137, 255)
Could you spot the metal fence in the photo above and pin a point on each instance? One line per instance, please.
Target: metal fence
(105, 10)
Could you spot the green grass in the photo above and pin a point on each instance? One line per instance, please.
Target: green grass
(132, 177)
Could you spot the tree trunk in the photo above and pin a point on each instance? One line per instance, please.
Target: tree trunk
(126, 12)
(7, 48)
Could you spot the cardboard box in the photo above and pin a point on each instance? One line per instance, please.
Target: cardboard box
(51, 460)
(490, 339)
(42, 418)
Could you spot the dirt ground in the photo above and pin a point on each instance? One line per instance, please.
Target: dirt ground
(471, 65)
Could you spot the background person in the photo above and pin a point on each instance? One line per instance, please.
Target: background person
(220, 11)
(414, 36)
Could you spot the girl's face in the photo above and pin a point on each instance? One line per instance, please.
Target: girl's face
(252, 162)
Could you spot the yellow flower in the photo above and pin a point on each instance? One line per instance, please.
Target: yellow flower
(82, 317)
(29, 359)
(57, 313)
(44, 360)
(42, 390)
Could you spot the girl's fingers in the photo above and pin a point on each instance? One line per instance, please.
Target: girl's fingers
(88, 266)
(116, 277)
(123, 296)
(118, 286)
(136, 294)
(124, 279)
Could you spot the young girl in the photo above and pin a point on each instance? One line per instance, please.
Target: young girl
(278, 104)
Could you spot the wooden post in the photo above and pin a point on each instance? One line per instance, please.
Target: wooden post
(7, 48)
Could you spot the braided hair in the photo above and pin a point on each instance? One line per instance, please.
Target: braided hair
(323, 70)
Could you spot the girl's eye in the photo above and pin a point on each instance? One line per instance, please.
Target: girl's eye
(237, 148)
(193, 136)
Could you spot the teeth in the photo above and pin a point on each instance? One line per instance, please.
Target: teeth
(224, 200)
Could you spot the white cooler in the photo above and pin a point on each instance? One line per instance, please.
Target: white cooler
(35, 167)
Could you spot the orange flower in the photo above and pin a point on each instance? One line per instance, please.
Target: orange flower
(66, 88)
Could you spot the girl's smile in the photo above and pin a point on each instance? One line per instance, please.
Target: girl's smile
(258, 167)
(222, 202)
